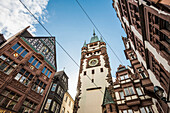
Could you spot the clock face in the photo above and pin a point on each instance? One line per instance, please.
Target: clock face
(93, 62)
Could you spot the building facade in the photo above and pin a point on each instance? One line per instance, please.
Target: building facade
(129, 91)
(147, 25)
(27, 66)
(55, 96)
(94, 77)
(67, 104)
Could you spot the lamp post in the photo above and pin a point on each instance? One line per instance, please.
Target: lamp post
(159, 93)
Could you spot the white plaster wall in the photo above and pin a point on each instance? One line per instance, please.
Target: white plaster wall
(118, 12)
(157, 55)
(125, 21)
(66, 104)
(136, 33)
(92, 100)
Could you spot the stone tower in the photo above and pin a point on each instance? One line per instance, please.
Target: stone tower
(94, 77)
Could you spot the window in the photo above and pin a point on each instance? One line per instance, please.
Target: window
(127, 111)
(139, 92)
(34, 62)
(121, 95)
(28, 106)
(69, 103)
(19, 50)
(146, 109)
(129, 91)
(46, 72)
(8, 99)
(84, 72)
(63, 110)
(39, 86)
(92, 80)
(121, 77)
(48, 104)
(143, 75)
(60, 91)
(6, 64)
(92, 71)
(166, 25)
(132, 56)
(124, 77)
(64, 78)
(53, 87)
(53, 106)
(66, 98)
(130, 111)
(57, 108)
(24, 77)
(15, 46)
(101, 69)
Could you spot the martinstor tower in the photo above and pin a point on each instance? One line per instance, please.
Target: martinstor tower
(94, 77)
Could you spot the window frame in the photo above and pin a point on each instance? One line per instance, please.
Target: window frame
(10, 96)
(17, 49)
(9, 64)
(127, 89)
(35, 64)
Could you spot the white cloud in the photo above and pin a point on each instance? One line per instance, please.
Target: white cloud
(14, 17)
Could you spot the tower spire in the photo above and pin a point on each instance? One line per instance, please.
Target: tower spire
(94, 32)
(101, 39)
(94, 38)
(85, 45)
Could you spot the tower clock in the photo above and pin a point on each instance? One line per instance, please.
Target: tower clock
(93, 71)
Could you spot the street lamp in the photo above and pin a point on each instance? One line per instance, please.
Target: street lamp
(159, 93)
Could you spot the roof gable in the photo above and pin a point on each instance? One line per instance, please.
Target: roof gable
(43, 45)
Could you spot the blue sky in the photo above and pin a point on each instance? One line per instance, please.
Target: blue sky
(71, 27)
(67, 22)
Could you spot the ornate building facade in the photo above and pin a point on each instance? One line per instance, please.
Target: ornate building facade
(94, 77)
(67, 104)
(147, 25)
(27, 66)
(54, 98)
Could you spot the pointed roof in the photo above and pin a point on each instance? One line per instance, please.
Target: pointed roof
(107, 98)
(101, 39)
(85, 45)
(94, 38)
